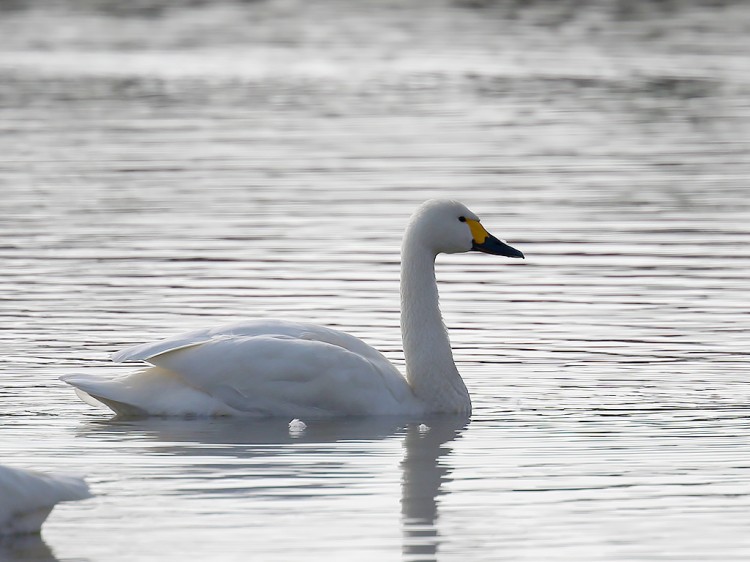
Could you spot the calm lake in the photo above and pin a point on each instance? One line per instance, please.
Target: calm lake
(166, 166)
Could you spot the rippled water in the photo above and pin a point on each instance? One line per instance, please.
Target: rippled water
(165, 168)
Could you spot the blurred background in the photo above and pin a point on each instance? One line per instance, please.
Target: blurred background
(166, 165)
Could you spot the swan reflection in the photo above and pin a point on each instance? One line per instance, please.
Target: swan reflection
(264, 459)
(424, 473)
(25, 548)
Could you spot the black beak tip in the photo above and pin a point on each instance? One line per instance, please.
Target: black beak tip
(513, 253)
(499, 248)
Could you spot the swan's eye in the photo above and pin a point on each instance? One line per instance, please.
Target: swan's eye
(462, 219)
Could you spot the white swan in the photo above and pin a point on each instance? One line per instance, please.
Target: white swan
(27, 497)
(277, 368)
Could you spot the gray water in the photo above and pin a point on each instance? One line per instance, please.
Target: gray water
(168, 166)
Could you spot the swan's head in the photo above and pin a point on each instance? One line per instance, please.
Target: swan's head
(449, 227)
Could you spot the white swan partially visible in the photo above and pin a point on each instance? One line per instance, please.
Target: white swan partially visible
(27, 497)
(277, 368)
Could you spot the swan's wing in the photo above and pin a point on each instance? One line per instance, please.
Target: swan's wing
(287, 375)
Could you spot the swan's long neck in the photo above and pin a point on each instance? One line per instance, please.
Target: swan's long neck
(430, 368)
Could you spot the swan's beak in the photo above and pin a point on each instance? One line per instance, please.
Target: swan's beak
(484, 242)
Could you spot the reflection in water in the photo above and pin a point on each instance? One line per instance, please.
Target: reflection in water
(223, 436)
(423, 475)
(25, 548)
(272, 450)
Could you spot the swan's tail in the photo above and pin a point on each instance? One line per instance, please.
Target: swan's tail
(108, 393)
(151, 391)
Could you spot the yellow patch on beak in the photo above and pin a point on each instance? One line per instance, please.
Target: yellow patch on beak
(477, 231)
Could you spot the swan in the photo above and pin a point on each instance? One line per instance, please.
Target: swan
(268, 368)
(27, 497)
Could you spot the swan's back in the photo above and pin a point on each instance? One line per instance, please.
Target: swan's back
(249, 329)
(27, 497)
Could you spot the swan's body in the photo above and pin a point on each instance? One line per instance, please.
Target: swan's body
(27, 498)
(261, 368)
(276, 368)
